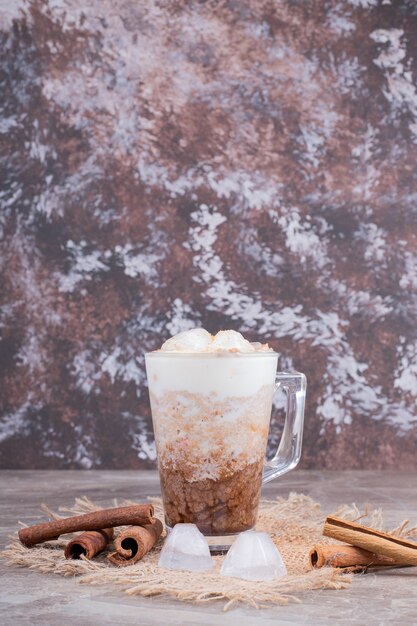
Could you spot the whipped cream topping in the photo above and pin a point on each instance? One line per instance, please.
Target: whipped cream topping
(199, 340)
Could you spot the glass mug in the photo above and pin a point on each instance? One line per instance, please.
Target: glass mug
(211, 415)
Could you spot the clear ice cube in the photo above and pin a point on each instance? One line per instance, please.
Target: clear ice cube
(185, 548)
(253, 556)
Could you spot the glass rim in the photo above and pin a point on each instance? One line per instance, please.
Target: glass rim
(210, 355)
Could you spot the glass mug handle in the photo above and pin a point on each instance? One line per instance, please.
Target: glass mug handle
(289, 449)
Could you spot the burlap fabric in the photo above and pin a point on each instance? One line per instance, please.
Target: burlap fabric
(295, 524)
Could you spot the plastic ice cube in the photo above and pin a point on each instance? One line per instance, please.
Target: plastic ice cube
(253, 556)
(186, 548)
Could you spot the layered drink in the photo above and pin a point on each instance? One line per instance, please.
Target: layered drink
(211, 399)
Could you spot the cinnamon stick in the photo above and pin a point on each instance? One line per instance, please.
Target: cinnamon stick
(133, 543)
(375, 541)
(324, 555)
(88, 544)
(106, 518)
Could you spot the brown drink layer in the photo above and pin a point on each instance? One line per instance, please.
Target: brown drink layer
(224, 506)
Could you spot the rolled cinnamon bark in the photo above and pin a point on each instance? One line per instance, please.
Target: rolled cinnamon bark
(375, 541)
(88, 544)
(324, 555)
(105, 518)
(133, 543)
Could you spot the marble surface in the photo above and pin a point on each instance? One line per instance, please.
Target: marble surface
(243, 164)
(31, 598)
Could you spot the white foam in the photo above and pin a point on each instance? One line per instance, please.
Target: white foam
(232, 341)
(198, 340)
(194, 340)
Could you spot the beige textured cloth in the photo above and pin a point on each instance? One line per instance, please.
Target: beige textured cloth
(294, 524)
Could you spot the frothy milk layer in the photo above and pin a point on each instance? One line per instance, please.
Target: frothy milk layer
(225, 375)
(197, 362)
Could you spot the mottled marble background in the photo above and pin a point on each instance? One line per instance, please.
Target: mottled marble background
(241, 164)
